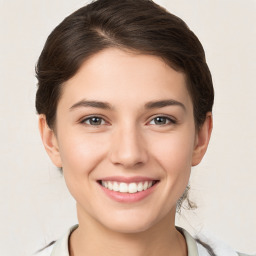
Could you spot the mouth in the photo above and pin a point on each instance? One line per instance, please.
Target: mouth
(129, 188)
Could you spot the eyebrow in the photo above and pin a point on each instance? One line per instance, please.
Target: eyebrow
(105, 105)
(91, 103)
(164, 103)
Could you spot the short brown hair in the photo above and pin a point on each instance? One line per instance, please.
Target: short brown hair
(136, 25)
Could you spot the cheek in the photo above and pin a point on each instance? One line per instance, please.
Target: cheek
(174, 152)
(80, 153)
(174, 155)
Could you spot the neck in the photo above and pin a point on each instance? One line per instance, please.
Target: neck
(91, 238)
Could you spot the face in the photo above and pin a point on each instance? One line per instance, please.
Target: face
(125, 138)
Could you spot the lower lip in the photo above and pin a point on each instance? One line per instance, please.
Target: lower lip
(127, 197)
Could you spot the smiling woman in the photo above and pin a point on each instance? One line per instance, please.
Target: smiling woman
(124, 100)
(147, 140)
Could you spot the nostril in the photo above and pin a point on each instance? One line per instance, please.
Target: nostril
(128, 151)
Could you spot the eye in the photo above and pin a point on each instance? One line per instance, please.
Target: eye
(94, 121)
(161, 120)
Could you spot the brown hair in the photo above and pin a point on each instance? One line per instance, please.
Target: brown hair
(137, 25)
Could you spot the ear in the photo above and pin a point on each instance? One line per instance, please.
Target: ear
(50, 141)
(202, 140)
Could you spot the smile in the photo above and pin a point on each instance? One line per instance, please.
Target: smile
(130, 188)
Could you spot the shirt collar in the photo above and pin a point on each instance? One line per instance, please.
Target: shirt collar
(60, 248)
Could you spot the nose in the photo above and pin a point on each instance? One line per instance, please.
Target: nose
(128, 148)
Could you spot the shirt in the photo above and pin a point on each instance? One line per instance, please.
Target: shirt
(60, 248)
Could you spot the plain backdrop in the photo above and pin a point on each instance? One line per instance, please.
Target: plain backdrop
(36, 207)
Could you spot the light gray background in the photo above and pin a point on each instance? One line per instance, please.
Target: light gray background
(35, 205)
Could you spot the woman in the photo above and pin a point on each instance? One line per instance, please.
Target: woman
(125, 109)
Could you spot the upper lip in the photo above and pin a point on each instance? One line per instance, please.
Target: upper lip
(128, 179)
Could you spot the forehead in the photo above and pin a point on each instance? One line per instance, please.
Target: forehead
(120, 76)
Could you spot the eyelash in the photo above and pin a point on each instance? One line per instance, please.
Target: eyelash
(167, 120)
(91, 118)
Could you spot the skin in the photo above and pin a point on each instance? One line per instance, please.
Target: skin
(127, 141)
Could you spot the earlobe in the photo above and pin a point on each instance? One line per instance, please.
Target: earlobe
(202, 140)
(50, 141)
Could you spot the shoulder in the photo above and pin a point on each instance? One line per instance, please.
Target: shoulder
(46, 251)
(219, 247)
(60, 247)
(243, 254)
(205, 244)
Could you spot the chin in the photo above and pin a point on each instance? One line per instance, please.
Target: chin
(129, 228)
(129, 222)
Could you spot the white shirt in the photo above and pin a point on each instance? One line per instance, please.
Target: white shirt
(60, 247)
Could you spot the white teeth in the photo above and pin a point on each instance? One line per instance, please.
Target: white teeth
(110, 186)
(132, 188)
(115, 186)
(105, 184)
(127, 187)
(145, 185)
(123, 187)
(140, 186)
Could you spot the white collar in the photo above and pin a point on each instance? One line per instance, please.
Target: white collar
(60, 248)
